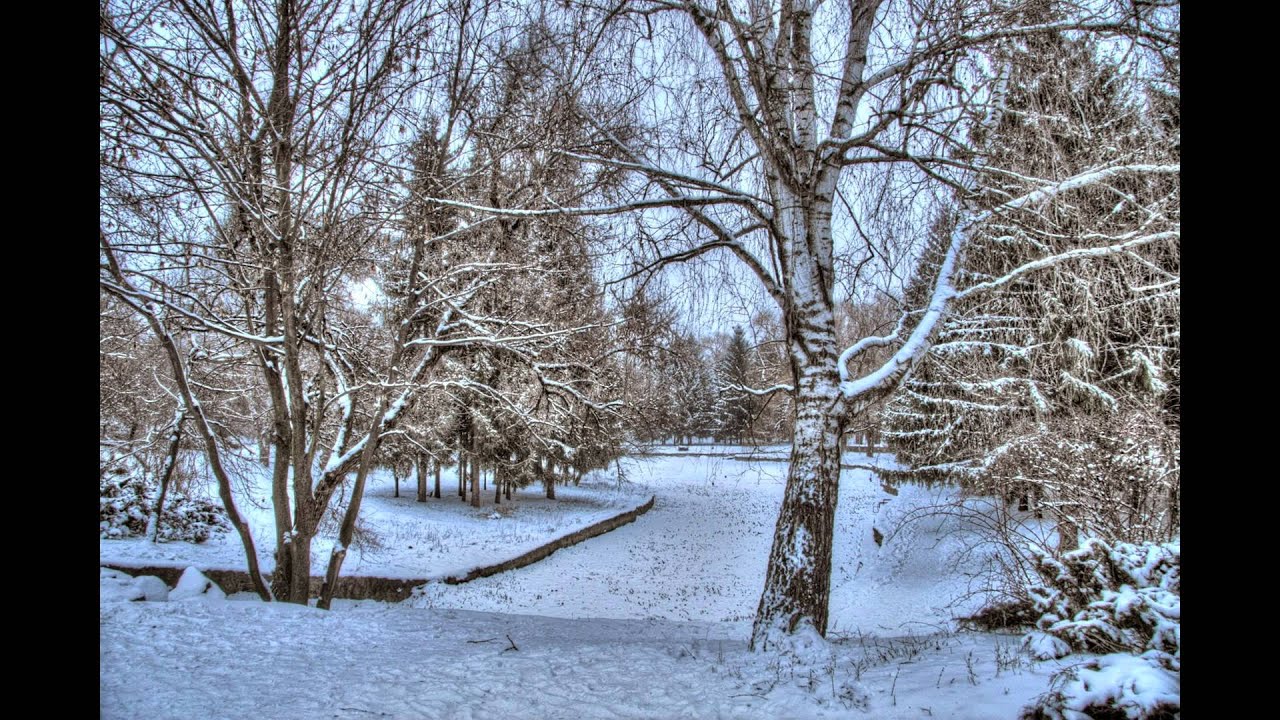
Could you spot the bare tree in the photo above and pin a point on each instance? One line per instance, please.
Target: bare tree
(258, 171)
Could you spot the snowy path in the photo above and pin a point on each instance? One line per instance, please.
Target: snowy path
(701, 553)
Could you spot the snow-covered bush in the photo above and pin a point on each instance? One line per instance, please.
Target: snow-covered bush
(1105, 599)
(127, 497)
(1124, 601)
(1115, 686)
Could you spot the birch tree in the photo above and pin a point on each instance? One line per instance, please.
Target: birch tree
(780, 124)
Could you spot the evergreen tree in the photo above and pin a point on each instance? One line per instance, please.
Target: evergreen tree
(1076, 360)
(735, 406)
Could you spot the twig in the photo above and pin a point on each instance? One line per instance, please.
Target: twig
(513, 644)
(485, 641)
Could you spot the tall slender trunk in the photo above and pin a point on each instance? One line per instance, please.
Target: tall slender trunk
(347, 531)
(475, 476)
(437, 493)
(462, 475)
(264, 448)
(548, 478)
(171, 461)
(422, 478)
(798, 580)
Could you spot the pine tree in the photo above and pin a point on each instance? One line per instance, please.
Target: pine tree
(735, 406)
(1048, 387)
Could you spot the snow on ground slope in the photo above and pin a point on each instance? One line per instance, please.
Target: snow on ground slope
(250, 659)
(701, 554)
(403, 538)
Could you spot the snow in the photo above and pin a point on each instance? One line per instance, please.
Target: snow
(400, 537)
(250, 659)
(193, 585)
(649, 620)
(1043, 646)
(704, 547)
(115, 586)
(1135, 685)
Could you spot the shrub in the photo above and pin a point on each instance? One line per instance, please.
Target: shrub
(1124, 601)
(127, 496)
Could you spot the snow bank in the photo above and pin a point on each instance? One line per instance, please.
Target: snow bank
(115, 586)
(193, 585)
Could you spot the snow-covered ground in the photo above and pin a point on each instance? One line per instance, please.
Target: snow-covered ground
(647, 621)
(701, 553)
(248, 659)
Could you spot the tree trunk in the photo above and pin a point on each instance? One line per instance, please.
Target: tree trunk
(396, 474)
(475, 477)
(798, 581)
(300, 568)
(193, 407)
(1068, 535)
(462, 474)
(422, 478)
(437, 493)
(171, 461)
